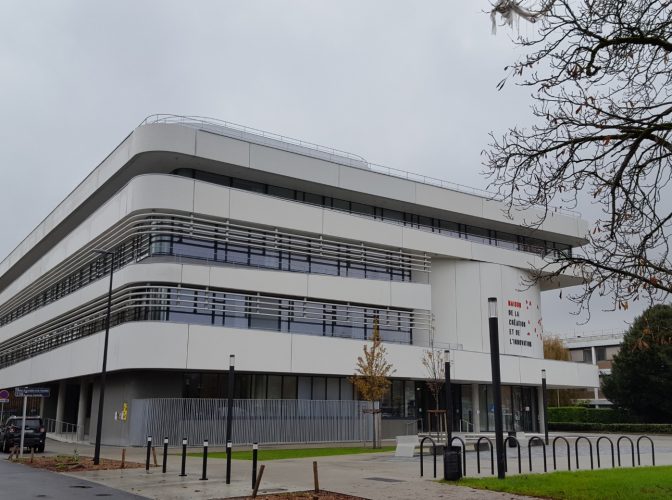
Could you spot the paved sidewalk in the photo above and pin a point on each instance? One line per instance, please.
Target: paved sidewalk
(373, 476)
(22, 482)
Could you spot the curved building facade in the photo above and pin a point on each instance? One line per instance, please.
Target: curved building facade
(288, 255)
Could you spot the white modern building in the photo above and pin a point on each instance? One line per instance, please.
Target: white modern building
(230, 240)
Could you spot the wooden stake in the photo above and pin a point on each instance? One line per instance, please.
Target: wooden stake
(32, 455)
(123, 458)
(256, 486)
(315, 478)
(156, 464)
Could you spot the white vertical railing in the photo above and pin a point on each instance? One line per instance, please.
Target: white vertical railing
(255, 420)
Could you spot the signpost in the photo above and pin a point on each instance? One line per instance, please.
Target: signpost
(4, 398)
(25, 393)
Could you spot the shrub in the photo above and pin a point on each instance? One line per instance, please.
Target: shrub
(589, 415)
(623, 428)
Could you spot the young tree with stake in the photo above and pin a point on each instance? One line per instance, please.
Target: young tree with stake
(372, 372)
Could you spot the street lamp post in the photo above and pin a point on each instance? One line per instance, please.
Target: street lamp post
(229, 415)
(493, 324)
(103, 373)
(545, 400)
(449, 399)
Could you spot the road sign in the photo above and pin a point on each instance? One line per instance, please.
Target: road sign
(4, 396)
(32, 392)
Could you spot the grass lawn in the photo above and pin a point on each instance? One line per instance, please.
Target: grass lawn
(641, 482)
(265, 455)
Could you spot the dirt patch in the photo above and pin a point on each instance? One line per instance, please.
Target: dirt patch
(303, 495)
(70, 463)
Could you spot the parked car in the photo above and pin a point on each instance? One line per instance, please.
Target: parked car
(34, 437)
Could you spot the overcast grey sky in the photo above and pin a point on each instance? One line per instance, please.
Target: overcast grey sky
(410, 85)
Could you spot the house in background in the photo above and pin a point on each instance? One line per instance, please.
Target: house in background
(598, 349)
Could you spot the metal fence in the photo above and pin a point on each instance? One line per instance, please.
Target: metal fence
(260, 420)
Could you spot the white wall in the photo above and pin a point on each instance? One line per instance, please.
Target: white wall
(189, 142)
(460, 292)
(175, 346)
(171, 193)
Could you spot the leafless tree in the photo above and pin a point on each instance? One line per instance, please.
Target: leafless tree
(432, 360)
(600, 78)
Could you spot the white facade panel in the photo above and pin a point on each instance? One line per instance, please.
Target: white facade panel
(293, 165)
(224, 149)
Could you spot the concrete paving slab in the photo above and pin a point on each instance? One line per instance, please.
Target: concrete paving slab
(373, 476)
(22, 482)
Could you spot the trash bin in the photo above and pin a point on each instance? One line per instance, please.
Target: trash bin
(512, 442)
(452, 463)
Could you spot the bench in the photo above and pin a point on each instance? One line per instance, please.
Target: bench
(406, 445)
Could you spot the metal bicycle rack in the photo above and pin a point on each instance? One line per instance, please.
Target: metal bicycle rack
(569, 453)
(422, 461)
(611, 443)
(464, 453)
(478, 454)
(529, 450)
(506, 467)
(653, 452)
(618, 449)
(576, 450)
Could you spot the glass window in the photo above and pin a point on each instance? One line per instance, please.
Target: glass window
(313, 199)
(304, 389)
(341, 204)
(264, 313)
(346, 389)
(333, 388)
(237, 254)
(274, 387)
(256, 187)
(299, 262)
(319, 388)
(306, 318)
(361, 209)
(600, 353)
(235, 311)
(321, 265)
(181, 306)
(194, 248)
(409, 398)
(289, 387)
(281, 192)
(393, 215)
(259, 386)
(449, 228)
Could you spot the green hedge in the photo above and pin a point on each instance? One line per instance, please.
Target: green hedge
(625, 428)
(589, 415)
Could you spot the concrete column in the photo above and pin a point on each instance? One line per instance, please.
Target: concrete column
(60, 406)
(81, 408)
(596, 394)
(540, 408)
(475, 408)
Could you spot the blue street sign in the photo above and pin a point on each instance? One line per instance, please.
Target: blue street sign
(35, 392)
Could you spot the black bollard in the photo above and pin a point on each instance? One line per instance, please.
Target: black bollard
(149, 451)
(228, 462)
(165, 454)
(204, 476)
(184, 457)
(255, 451)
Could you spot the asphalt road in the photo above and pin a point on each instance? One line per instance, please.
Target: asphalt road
(20, 482)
